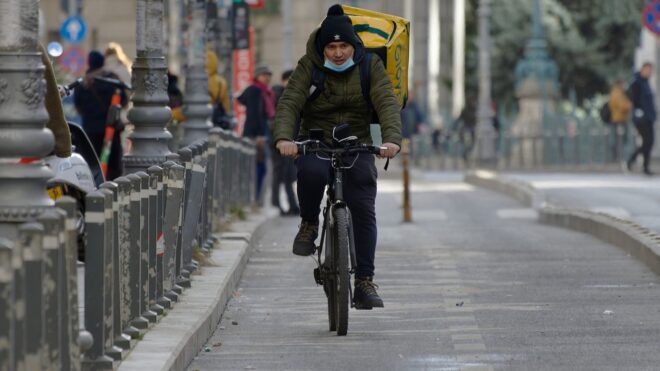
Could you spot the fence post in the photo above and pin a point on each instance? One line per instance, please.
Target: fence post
(52, 222)
(125, 329)
(212, 169)
(193, 209)
(30, 237)
(171, 230)
(111, 259)
(95, 283)
(70, 208)
(145, 243)
(160, 300)
(208, 192)
(6, 303)
(135, 255)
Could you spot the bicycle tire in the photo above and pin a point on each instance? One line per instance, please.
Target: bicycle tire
(329, 280)
(342, 270)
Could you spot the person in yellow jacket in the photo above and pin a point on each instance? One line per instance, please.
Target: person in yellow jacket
(217, 83)
(217, 88)
(620, 108)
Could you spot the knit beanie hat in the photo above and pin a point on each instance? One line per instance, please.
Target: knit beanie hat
(336, 26)
(95, 60)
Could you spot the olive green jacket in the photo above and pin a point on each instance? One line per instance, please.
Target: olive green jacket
(340, 102)
(56, 122)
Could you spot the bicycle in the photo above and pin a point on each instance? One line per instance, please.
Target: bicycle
(333, 271)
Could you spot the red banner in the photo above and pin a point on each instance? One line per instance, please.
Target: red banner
(256, 4)
(243, 72)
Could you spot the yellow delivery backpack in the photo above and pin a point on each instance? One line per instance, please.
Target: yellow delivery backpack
(388, 36)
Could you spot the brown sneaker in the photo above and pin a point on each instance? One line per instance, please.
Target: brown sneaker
(303, 244)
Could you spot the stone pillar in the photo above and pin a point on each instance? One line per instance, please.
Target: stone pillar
(150, 112)
(485, 131)
(225, 45)
(22, 117)
(197, 108)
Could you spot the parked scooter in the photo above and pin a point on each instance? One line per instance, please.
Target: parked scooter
(79, 174)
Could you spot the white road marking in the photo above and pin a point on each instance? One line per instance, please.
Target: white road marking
(517, 213)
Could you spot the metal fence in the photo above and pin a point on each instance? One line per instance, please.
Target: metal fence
(141, 230)
(573, 144)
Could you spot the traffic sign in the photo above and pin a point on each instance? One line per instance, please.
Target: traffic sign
(73, 60)
(651, 16)
(73, 29)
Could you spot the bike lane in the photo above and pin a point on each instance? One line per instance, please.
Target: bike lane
(475, 283)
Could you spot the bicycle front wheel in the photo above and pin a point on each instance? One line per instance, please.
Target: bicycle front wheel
(342, 271)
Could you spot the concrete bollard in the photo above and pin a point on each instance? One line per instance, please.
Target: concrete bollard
(95, 283)
(125, 221)
(145, 238)
(6, 303)
(30, 237)
(109, 190)
(186, 156)
(71, 318)
(193, 208)
(160, 302)
(52, 221)
(171, 223)
(135, 256)
(216, 138)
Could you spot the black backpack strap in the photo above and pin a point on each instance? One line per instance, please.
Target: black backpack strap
(317, 85)
(365, 78)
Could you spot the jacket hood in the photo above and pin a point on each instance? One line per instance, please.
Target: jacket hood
(211, 63)
(315, 53)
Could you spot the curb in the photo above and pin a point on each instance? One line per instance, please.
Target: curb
(519, 190)
(637, 240)
(630, 236)
(175, 341)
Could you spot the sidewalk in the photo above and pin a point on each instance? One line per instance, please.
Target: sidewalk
(173, 342)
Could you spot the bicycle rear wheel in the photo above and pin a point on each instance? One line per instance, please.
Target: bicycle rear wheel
(342, 270)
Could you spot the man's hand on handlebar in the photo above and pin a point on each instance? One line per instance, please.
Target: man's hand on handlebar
(389, 150)
(287, 148)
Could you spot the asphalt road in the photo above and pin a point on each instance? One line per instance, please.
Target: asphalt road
(475, 283)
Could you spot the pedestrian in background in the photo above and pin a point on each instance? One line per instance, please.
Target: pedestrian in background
(92, 100)
(117, 62)
(218, 92)
(644, 115)
(466, 126)
(259, 101)
(284, 168)
(620, 107)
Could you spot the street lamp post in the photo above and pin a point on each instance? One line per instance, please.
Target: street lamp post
(22, 117)
(150, 112)
(485, 131)
(197, 109)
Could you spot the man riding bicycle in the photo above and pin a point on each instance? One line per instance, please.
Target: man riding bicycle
(336, 50)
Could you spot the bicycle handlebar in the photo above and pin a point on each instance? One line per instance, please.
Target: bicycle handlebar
(316, 146)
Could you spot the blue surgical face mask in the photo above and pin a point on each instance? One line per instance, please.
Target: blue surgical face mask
(339, 67)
